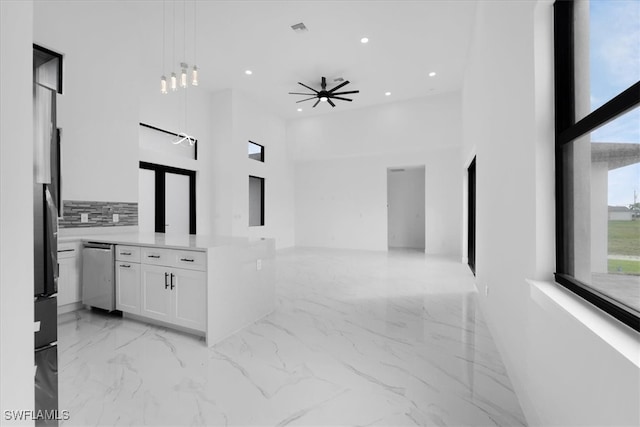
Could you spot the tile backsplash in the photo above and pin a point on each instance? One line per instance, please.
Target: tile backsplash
(99, 214)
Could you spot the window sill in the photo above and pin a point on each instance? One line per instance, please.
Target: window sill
(619, 336)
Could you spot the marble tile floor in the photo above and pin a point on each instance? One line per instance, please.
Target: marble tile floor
(357, 339)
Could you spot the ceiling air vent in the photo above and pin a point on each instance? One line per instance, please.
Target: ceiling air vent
(299, 28)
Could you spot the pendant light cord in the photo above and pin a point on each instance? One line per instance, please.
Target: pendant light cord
(173, 49)
(163, 36)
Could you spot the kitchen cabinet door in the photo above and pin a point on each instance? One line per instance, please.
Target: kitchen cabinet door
(128, 287)
(156, 292)
(189, 298)
(68, 274)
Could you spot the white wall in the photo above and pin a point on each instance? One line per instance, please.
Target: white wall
(341, 168)
(405, 207)
(16, 205)
(98, 111)
(563, 373)
(236, 120)
(168, 112)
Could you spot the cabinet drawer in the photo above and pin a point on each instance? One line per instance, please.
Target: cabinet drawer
(191, 260)
(156, 256)
(68, 250)
(127, 253)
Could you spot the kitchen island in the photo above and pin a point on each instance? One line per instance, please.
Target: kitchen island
(206, 285)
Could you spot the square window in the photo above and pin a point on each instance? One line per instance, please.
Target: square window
(256, 151)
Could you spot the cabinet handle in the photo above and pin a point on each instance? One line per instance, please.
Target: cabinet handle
(172, 285)
(125, 265)
(66, 250)
(153, 256)
(166, 276)
(125, 253)
(187, 259)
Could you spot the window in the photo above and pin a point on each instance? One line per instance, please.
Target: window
(256, 151)
(256, 201)
(471, 218)
(597, 78)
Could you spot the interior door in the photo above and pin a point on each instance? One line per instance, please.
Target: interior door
(166, 199)
(176, 203)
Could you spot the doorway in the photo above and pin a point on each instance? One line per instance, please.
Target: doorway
(471, 217)
(166, 199)
(405, 207)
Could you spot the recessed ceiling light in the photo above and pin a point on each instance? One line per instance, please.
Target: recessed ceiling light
(248, 72)
(387, 93)
(431, 74)
(364, 40)
(299, 109)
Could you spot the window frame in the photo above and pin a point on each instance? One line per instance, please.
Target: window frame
(261, 159)
(160, 195)
(262, 186)
(568, 130)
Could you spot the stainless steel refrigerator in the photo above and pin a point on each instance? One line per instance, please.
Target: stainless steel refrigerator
(46, 194)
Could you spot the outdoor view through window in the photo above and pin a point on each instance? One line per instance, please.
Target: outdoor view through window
(608, 209)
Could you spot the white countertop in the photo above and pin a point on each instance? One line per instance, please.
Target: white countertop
(174, 241)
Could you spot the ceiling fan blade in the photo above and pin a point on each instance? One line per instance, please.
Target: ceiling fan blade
(302, 100)
(341, 98)
(324, 83)
(346, 82)
(314, 105)
(310, 88)
(300, 93)
(344, 93)
(330, 103)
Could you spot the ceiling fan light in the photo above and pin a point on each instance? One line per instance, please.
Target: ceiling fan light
(323, 98)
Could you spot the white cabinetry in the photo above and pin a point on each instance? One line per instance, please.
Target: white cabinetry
(128, 279)
(69, 274)
(174, 295)
(166, 285)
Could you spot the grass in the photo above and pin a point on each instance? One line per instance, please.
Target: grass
(623, 266)
(624, 237)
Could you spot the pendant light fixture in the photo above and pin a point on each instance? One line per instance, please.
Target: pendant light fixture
(182, 80)
(174, 79)
(194, 75)
(163, 79)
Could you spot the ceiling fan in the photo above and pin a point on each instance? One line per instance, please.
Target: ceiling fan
(325, 95)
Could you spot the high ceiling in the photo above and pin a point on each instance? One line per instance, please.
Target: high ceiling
(407, 41)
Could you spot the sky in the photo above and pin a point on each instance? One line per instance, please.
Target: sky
(614, 66)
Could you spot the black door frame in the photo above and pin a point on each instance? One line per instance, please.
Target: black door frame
(160, 194)
(471, 219)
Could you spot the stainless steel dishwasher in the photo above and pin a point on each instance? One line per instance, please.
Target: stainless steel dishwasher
(98, 278)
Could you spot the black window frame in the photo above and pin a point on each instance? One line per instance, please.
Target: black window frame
(471, 216)
(262, 185)
(261, 159)
(568, 130)
(195, 141)
(160, 194)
